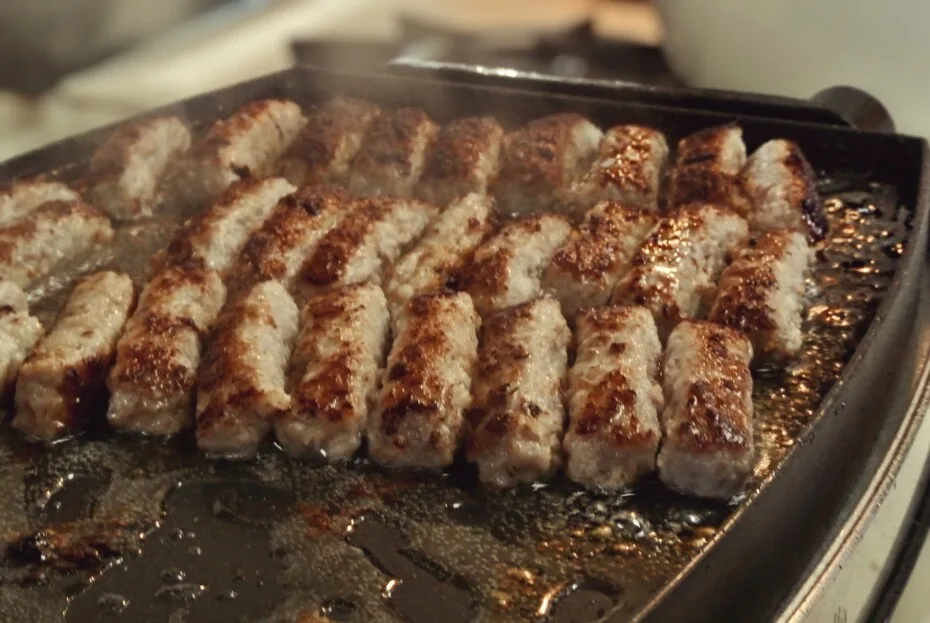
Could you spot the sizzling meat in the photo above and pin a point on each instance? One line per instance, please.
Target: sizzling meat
(326, 146)
(517, 416)
(63, 382)
(23, 198)
(334, 370)
(585, 270)
(507, 268)
(426, 385)
(707, 169)
(613, 398)
(127, 169)
(677, 267)
(56, 233)
(761, 294)
(707, 449)
(241, 382)
(19, 334)
(152, 383)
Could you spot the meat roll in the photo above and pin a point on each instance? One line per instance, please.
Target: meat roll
(23, 198)
(241, 383)
(707, 169)
(244, 145)
(463, 160)
(707, 449)
(125, 172)
(329, 141)
(57, 233)
(366, 242)
(613, 398)
(677, 267)
(780, 184)
(445, 248)
(517, 417)
(215, 236)
(628, 169)
(540, 161)
(393, 153)
(152, 383)
(507, 268)
(333, 380)
(585, 270)
(426, 385)
(63, 382)
(761, 294)
(288, 237)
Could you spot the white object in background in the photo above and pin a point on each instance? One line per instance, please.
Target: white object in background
(798, 47)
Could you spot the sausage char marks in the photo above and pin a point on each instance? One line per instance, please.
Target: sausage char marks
(324, 149)
(628, 169)
(215, 236)
(426, 386)
(63, 382)
(55, 234)
(372, 236)
(21, 199)
(539, 162)
(761, 294)
(288, 237)
(241, 382)
(448, 244)
(708, 168)
(780, 184)
(676, 269)
(152, 384)
(517, 415)
(707, 449)
(613, 398)
(334, 372)
(393, 153)
(585, 270)
(507, 268)
(127, 169)
(463, 160)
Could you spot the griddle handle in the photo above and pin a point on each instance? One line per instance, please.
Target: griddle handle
(856, 107)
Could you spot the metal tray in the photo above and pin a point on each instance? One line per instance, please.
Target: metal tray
(123, 529)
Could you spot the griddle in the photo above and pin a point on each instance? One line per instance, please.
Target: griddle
(110, 528)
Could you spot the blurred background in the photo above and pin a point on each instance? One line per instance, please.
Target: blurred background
(70, 65)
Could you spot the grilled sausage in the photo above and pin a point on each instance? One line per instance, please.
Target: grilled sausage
(329, 141)
(445, 248)
(215, 237)
(463, 160)
(63, 383)
(707, 448)
(517, 416)
(780, 184)
(23, 198)
(678, 265)
(426, 385)
(56, 233)
(761, 293)
(334, 370)
(393, 153)
(288, 237)
(613, 398)
(19, 334)
(244, 145)
(152, 383)
(241, 383)
(540, 161)
(126, 170)
(628, 169)
(507, 268)
(707, 169)
(365, 243)
(585, 270)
